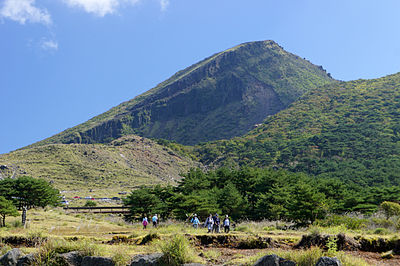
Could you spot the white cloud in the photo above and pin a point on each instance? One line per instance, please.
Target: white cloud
(99, 7)
(49, 45)
(164, 4)
(24, 11)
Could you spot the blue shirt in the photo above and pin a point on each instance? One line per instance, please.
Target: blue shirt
(195, 220)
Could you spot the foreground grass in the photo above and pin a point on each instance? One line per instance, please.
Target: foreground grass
(59, 232)
(301, 257)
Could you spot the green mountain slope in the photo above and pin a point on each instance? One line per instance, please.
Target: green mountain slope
(348, 130)
(125, 163)
(220, 97)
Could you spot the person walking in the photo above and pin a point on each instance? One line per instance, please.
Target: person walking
(145, 222)
(227, 224)
(155, 220)
(209, 223)
(195, 221)
(217, 222)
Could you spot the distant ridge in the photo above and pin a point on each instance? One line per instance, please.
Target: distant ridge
(347, 130)
(220, 97)
(125, 163)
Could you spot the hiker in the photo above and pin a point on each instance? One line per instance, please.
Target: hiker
(155, 220)
(145, 222)
(226, 224)
(209, 223)
(217, 221)
(195, 221)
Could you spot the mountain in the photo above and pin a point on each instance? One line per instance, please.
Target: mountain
(123, 164)
(347, 130)
(222, 96)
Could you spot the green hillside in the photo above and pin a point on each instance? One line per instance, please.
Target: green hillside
(348, 130)
(124, 164)
(220, 97)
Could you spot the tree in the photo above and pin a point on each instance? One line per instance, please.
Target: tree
(306, 204)
(231, 201)
(90, 203)
(141, 201)
(27, 192)
(390, 208)
(7, 209)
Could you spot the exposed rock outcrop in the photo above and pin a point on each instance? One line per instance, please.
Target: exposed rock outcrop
(11, 257)
(273, 260)
(147, 260)
(327, 261)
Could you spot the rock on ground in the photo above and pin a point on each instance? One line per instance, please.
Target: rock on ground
(26, 260)
(73, 258)
(327, 261)
(146, 260)
(97, 261)
(273, 260)
(11, 257)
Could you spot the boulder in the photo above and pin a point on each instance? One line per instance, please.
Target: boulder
(327, 261)
(11, 257)
(73, 258)
(146, 260)
(273, 260)
(97, 261)
(26, 260)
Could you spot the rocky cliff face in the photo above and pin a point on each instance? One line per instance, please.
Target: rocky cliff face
(220, 97)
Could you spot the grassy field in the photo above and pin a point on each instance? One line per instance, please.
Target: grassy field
(52, 230)
(99, 170)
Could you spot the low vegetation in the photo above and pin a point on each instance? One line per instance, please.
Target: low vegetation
(256, 194)
(99, 170)
(93, 235)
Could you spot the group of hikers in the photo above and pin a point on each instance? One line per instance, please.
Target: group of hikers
(212, 223)
(154, 219)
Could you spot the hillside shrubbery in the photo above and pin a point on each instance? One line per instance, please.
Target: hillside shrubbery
(349, 131)
(257, 194)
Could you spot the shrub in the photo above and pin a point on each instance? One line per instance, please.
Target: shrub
(48, 250)
(148, 238)
(378, 222)
(121, 257)
(90, 203)
(314, 231)
(302, 257)
(16, 224)
(331, 244)
(242, 229)
(269, 228)
(381, 231)
(351, 223)
(177, 251)
(390, 208)
(4, 249)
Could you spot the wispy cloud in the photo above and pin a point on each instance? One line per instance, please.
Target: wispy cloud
(100, 7)
(164, 4)
(24, 11)
(49, 45)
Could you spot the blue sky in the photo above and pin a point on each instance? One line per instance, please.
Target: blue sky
(65, 61)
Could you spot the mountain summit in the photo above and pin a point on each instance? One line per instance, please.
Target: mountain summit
(220, 97)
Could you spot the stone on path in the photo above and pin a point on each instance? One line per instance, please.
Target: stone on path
(146, 260)
(273, 260)
(327, 261)
(11, 257)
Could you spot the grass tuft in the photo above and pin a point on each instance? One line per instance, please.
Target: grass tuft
(178, 251)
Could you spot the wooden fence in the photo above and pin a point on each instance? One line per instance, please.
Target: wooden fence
(115, 209)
